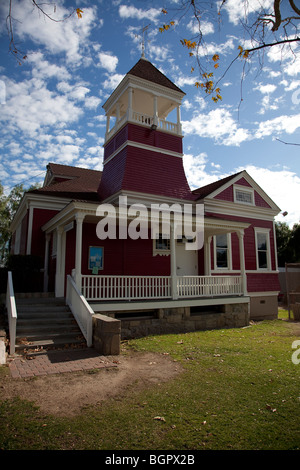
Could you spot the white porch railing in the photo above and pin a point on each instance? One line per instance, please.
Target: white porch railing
(158, 287)
(126, 287)
(11, 313)
(81, 310)
(209, 286)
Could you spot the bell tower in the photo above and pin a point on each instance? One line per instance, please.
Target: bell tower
(143, 146)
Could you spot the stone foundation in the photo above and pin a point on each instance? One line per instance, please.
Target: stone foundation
(181, 320)
(106, 335)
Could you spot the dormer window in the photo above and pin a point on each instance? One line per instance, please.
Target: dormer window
(244, 195)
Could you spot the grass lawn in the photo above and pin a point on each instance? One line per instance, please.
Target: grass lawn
(239, 391)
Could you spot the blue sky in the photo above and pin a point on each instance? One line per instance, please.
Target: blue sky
(51, 105)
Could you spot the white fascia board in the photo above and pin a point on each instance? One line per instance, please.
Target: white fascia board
(36, 201)
(144, 198)
(253, 184)
(68, 213)
(223, 225)
(217, 206)
(130, 143)
(142, 84)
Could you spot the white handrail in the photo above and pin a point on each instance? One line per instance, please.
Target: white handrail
(12, 313)
(81, 310)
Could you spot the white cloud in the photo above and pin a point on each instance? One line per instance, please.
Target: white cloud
(30, 106)
(219, 125)
(69, 36)
(133, 12)
(112, 81)
(206, 27)
(277, 125)
(268, 88)
(108, 61)
(43, 69)
(238, 10)
(287, 198)
(195, 170)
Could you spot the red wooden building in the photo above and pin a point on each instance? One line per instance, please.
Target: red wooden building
(137, 270)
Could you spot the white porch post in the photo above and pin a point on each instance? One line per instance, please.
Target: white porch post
(207, 256)
(173, 263)
(46, 262)
(129, 111)
(59, 284)
(78, 254)
(107, 123)
(242, 260)
(155, 112)
(178, 120)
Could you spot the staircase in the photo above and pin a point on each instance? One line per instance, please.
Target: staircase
(45, 323)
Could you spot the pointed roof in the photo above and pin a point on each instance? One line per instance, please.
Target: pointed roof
(210, 188)
(144, 69)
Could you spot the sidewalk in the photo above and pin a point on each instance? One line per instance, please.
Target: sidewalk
(56, 362)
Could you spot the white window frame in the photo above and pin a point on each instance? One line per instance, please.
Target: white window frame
(266, 232)
(243, 189)
(160, 251)
(229, 253)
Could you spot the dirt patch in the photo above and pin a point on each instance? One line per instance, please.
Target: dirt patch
(65, 394)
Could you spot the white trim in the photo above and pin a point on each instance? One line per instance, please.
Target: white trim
(263, 294)
(216, 268)
(260, 271)
(244, 189)
(37, 201)
(254, 186)
(218, 206)
(265, 231)
(29, 231)
(146, 305)
(130, 143)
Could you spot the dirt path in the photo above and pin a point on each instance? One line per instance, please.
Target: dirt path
(65, 394)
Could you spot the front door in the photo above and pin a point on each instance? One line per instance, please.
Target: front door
(186, 260)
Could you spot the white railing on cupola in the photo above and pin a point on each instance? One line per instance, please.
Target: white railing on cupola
(144, 120)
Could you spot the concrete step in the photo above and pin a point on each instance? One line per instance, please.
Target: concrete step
(46, 323)
(60, 342)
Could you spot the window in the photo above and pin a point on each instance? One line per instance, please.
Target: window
(161, 245)
(262, 249)
(244, 195)
(222, 252)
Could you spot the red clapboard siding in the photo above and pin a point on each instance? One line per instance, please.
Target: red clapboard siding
(264, 282)
(145, 171)
(40, 217)
(257, 281)
(155, 173)
(143, 135)
(124, 257)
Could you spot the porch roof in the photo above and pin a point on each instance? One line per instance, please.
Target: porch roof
(212, 225)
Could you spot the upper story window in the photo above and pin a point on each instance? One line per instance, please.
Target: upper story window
(222, 251)
(244, 195)
(262, 239)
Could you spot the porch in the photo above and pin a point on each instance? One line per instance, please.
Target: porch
(132, 288)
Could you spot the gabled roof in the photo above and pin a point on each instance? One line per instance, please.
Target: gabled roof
(71, 182)
(144, 69)
(204, 191)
